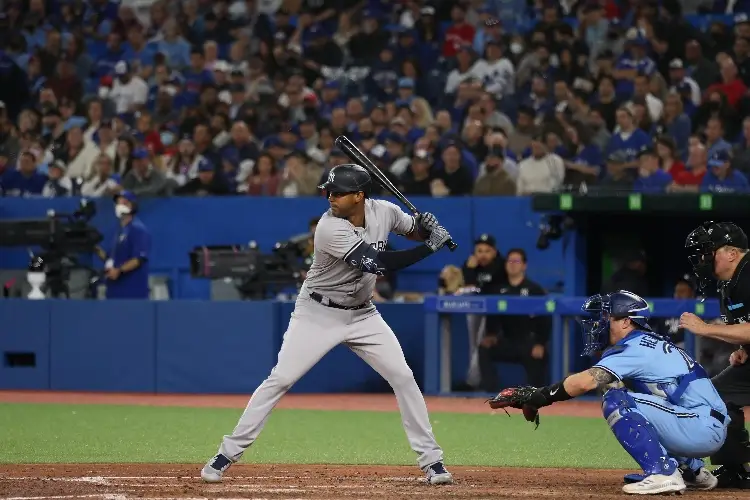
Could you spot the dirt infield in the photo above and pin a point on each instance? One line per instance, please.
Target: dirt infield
(289, 482)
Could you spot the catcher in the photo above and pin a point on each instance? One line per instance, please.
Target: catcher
(659, 403)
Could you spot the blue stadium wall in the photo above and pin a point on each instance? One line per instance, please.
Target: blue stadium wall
(194, 345)
(186, 347)
(180, 224)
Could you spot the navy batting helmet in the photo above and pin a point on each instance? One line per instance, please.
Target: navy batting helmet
(347, 178)
(599, 308)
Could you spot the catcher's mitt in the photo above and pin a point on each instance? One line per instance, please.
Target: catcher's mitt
(528, 399)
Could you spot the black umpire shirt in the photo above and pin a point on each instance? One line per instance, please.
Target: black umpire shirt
(486, 278)
(534, 329)
(735, 296)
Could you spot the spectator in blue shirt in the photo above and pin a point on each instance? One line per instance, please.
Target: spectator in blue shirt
(633, 62)
(651, 178)
(721, 177)
(715, 141)
(139, 53)
(628, 141)
(25, 180)
(173, 46)
(196, 76)
(114, 53)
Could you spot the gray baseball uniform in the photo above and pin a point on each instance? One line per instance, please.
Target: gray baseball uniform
(315, 329)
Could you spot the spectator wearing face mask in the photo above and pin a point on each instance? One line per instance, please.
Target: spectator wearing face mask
(126, 263)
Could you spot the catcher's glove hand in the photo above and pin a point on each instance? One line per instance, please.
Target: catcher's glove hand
(528, 399)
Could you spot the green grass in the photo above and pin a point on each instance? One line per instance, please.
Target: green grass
(47, 433)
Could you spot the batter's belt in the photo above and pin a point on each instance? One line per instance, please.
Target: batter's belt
(329, 303)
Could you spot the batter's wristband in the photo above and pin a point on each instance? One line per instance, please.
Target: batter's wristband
(556, 392)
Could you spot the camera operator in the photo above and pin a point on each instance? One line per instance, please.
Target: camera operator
(126, 265)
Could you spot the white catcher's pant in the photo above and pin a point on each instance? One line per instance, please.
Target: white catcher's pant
(313, 331)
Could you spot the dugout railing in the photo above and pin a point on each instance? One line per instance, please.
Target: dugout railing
(563, 339)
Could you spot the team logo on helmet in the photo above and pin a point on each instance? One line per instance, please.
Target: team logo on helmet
(331, 175)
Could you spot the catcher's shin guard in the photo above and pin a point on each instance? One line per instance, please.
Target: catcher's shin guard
(635, 433)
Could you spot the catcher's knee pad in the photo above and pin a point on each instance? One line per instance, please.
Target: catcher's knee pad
(635, 433)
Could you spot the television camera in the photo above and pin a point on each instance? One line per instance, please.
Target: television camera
(256, 275)
(58, 239)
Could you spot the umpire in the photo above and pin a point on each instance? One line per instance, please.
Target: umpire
(719, 250)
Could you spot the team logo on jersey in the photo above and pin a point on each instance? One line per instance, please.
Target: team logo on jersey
(379, 245)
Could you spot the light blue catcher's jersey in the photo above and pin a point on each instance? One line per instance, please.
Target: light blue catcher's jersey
(647, 364)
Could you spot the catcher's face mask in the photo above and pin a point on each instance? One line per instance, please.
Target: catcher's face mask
(595, 324)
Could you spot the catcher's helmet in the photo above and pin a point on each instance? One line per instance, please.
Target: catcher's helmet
(600, 308)
(347, 178)
(703, 242)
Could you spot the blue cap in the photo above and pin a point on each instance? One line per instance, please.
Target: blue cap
(719, 158)
(332, 84)
(369, 14)
(140, 153)
(128, 195)
(684, 86)
(406, 83)
(205, 166)
(273, 141)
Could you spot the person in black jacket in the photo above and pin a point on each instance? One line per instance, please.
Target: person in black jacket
(515, 338)
(208, 183)
(485, 268)
(719, 250)
(483, 272)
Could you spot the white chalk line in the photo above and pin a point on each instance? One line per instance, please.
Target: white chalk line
(134, 478)
(125, 497)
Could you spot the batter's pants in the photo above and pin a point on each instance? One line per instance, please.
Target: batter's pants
(733, 385)
(313, 331)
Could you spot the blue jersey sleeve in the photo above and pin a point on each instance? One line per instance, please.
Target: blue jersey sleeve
(623, 361)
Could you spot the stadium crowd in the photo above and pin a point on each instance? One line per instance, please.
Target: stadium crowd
(483, 97)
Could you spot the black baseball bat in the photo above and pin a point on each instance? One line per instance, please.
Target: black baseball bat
(353, 152)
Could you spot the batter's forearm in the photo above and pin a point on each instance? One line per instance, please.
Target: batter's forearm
(401, 259)
(733, 334)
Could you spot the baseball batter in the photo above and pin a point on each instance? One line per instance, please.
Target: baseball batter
(334, 306)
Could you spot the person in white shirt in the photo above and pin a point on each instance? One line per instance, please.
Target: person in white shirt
(542, 172)
(78, 154)
(105, 139)
(104, 182)
(463, 70)
(495, 71)
(129, 92)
